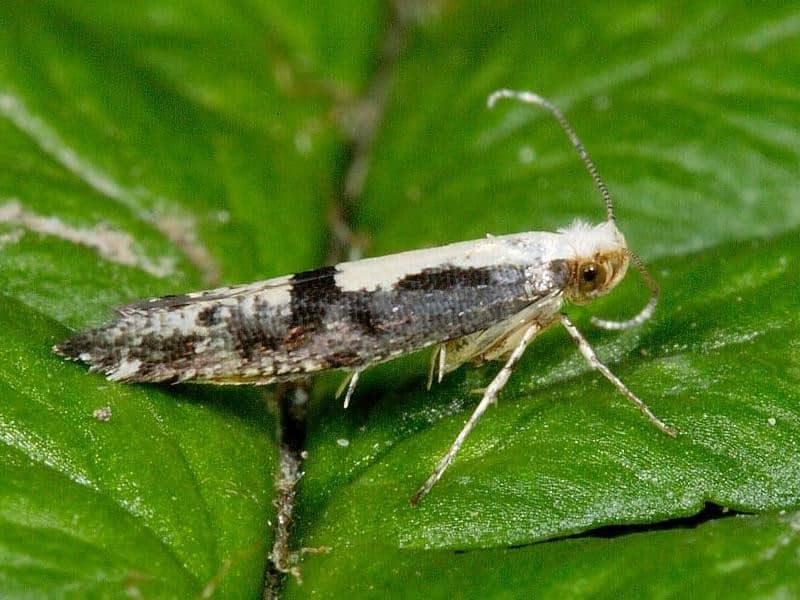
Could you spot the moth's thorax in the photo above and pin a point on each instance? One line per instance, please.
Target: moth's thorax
(599, 259)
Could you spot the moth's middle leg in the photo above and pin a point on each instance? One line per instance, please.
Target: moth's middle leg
(489, 397)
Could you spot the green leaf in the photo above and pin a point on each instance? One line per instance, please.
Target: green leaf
(739, 557)
(156, 147)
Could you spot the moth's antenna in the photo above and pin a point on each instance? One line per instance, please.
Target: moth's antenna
(531, 98)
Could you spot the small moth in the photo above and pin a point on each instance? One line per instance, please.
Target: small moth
(475, 301)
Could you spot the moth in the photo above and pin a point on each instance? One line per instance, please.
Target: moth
(472, 302)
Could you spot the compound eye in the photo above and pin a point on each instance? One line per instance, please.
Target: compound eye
(591, 276)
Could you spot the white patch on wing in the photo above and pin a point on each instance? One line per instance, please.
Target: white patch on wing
(182, 321)
(125, 369)
(517, 249)
(277, 294)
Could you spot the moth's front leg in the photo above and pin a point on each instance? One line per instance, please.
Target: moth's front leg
(588, 353)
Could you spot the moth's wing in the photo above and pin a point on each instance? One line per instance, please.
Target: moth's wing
(229, 292)
(201, 336)
(498, 341)
(343, 317)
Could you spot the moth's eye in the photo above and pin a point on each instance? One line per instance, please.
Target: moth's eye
(591, 276)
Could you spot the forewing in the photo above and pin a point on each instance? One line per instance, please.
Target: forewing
(276, 285)
(344, 317)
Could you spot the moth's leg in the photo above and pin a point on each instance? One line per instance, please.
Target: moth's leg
(488, 398)
(594, 362)
(498, 341)
(437, 362)
(442, 362)
(349, 383)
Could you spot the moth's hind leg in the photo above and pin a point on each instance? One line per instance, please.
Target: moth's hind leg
(349, 384)
(438, 364)
(450, 355)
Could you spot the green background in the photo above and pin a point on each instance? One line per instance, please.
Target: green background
(156, 147)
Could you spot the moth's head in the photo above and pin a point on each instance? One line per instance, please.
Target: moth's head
(599, 262)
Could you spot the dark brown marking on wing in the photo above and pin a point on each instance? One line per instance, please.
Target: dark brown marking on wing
(361, 313)
(164, 348)
(347, 358)
(209, 316)
(295, 338)
(80, 343)
(249, 334)
(155, 372)
(446, 277)
(312, 292)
